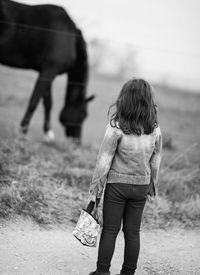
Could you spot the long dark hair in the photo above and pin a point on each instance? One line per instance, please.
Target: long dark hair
(135, 111)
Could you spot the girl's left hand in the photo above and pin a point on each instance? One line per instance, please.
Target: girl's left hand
(150, 198)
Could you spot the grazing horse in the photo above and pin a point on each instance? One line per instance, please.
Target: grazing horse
(44, 38)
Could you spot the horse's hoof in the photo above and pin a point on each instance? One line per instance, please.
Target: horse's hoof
(24, 130)
(49, 136)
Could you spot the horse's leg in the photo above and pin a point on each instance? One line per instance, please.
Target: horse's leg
(41, 87)
(47, 102)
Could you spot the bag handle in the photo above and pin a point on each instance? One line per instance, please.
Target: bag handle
(92, 205)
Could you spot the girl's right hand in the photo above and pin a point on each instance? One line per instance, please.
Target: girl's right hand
(92, 198)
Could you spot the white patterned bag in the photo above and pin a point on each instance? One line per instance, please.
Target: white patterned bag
(87, 229)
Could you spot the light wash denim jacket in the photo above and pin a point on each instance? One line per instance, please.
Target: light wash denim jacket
(128, 159)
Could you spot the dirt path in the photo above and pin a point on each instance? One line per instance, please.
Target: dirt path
(27, 250)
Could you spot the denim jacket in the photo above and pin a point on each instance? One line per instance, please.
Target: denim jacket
(128, 159)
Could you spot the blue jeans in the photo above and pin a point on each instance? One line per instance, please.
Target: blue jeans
(122, 202)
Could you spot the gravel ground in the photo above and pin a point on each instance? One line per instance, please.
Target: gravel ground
(26, 249)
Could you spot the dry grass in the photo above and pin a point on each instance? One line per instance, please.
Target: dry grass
(50, 186)
(42, 182)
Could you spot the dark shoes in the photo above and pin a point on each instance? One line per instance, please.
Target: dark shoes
(99, 273)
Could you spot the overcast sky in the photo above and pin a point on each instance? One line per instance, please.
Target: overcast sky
(165, 32)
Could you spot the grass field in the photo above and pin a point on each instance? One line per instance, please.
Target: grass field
(50, 183)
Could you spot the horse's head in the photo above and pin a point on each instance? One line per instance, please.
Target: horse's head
(73, 115)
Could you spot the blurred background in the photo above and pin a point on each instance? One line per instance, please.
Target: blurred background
(157, 40)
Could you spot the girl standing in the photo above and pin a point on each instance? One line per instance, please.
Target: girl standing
(128, 163)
